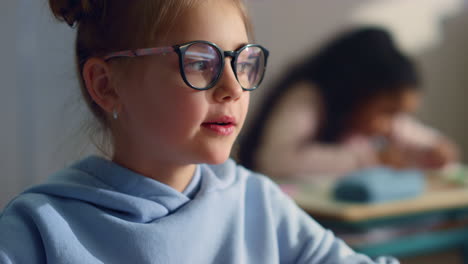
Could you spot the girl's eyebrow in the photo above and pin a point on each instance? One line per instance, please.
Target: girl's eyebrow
(200, 54)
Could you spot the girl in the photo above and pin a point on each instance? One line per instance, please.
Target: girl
(170, 79)
(346, 108)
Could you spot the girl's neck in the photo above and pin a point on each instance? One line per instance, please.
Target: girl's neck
(176, 176)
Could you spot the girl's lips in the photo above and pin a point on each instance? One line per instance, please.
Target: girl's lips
(223, 130)
(222, 120)
(222, 126)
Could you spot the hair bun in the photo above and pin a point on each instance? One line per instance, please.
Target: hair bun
(73, 11)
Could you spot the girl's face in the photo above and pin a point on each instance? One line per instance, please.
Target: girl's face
(378, 115)
(164, 119)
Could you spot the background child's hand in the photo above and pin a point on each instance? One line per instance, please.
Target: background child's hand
(439, 156)
(393, 156)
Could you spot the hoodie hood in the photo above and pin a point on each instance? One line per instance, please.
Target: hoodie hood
(126, 194)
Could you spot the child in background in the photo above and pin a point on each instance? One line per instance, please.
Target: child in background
(173, 102)
(345, 108)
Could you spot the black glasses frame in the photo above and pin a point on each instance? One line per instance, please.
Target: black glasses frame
(182, 48)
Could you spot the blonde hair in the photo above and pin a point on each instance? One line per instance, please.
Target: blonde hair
(105, 26)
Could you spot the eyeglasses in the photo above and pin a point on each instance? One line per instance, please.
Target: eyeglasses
(201, 63)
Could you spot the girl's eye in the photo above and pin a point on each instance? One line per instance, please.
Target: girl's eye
(244, 67)
(197, 65)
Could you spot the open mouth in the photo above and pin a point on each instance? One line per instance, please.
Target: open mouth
(225, 126)
(220, 123)
(217, 124)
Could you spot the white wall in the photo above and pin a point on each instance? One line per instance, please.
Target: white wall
(8, 115)
(445, 69)
(38, 96)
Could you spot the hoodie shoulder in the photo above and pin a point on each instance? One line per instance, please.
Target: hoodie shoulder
(37, 210)
(21, 240)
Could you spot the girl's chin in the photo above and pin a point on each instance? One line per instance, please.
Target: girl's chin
(216, 158)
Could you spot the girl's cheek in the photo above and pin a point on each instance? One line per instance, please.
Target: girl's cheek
(174, 65)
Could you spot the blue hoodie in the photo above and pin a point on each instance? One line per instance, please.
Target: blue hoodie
(99, 212)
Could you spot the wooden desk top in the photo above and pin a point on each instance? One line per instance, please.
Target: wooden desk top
(317, 200)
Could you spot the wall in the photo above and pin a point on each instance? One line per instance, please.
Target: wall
(39, 106)
(8, 116)
(445, 68)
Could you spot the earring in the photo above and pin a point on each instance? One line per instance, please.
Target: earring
(115, 115)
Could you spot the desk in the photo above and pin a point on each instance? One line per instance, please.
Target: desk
(443, 208)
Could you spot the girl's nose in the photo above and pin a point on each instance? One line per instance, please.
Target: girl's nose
(228, 88)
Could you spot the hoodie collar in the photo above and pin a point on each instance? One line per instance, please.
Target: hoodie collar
(128, 195)
(131, 183)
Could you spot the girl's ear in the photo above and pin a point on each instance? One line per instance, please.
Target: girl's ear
(97, 76)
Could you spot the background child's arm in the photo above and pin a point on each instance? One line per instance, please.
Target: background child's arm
(288, 148)
(421, 145)
(318, 159)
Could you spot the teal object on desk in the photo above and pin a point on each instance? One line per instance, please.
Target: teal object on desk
(379, 185)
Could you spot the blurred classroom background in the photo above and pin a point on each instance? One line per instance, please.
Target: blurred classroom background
(42, 114)
(433, 34)
(431, 31)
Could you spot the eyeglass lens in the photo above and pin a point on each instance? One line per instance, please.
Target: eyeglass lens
(250, 67)
(202, 63)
